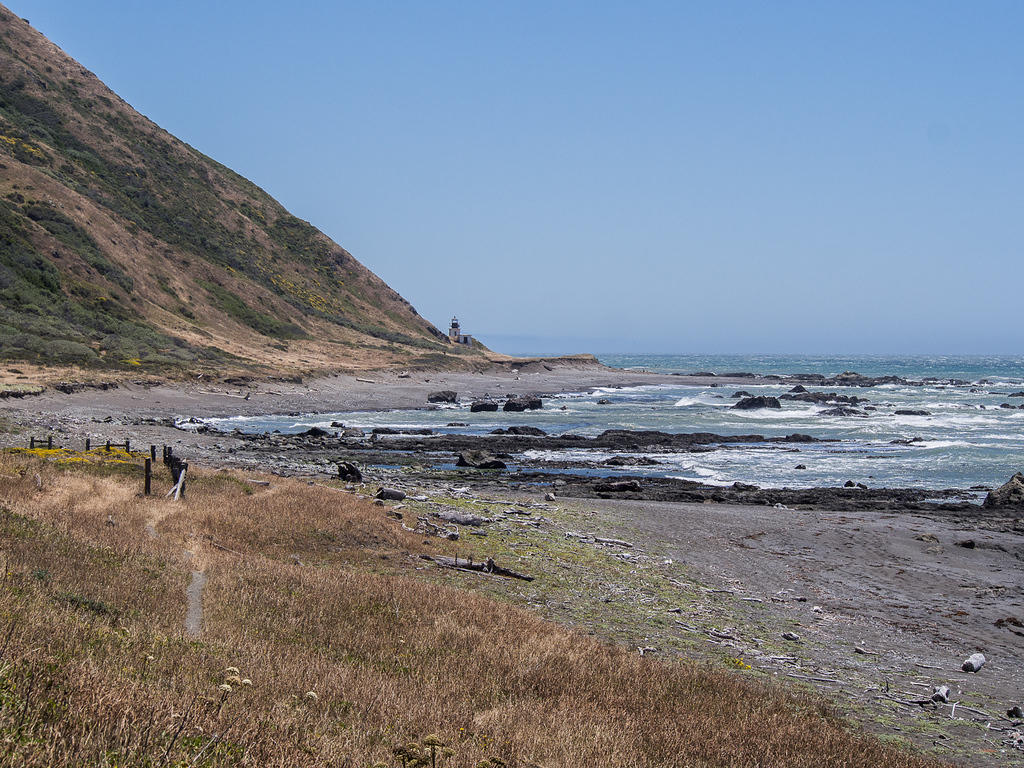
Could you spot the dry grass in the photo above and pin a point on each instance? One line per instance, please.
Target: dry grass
(96, 670)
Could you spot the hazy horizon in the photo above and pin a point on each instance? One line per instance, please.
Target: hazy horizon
(645, 177)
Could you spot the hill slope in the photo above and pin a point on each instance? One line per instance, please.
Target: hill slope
(123, 247)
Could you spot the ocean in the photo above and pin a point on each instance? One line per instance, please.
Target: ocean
(966, 439)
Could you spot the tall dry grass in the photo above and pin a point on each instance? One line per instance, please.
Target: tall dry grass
(347, 656)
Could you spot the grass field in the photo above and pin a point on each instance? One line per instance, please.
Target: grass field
(322, 645)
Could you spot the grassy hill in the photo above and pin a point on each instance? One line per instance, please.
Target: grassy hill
(122, 247)
(320, 640)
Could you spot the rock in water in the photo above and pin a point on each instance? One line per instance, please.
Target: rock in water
(483, 405)
(1009, 495)
(841, 411)
(479, 460)
(349, 472)
(974, 662)
(443, 396)
(523, 403)
(761, 401)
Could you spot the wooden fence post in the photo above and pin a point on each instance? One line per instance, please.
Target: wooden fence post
(127, 445)
(31, 443)
(49, 441)
(88, 443)
(149, 476)
(152, 453)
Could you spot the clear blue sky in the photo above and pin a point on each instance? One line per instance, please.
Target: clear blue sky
(630, 176)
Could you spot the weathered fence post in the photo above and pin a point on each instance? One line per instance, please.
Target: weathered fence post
(149, 476)
(108, 446)
(31, 443)
(152, 453)
(88, 443)
(127, 445)
(49, 441)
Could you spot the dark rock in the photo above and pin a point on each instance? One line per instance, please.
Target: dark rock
(523, 403)
(314, 432)
(390, 494)
(457, 424)
(741, 393)
(443, 396)
(798, 388)
(630, 461)
(479, 460)
(531, 431)
(738, 486)
(604, 401)
(800, 466)
(349, 472)
(1016, 394)
(619, 486)
(849, 484)
(352, 432)
(338, 424)
(762, 401)
(798, 437)
(967, 543)
(483, 405)
(1009, 495)
(912, 412)
(393, 431)
(842, 411)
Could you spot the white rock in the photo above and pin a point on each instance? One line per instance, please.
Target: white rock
(974, 662)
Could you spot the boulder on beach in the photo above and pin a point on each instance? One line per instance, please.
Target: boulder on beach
(483, 405)
(349, 472)
(1009, 495)
(912, 412)
(529, 431)
(761, 401)
(443, 396)
(479, 460)
(523, 403)
(314, 432)
(619, 486)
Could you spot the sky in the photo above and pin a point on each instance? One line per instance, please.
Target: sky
(674, 177)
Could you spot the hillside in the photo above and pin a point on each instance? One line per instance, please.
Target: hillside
(123, 248)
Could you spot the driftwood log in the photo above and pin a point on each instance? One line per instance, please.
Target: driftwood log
(486, 566)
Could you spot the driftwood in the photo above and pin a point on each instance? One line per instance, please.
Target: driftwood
(612, 542)
(487, 566)
(461, 518)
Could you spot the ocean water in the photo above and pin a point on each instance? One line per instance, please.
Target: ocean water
(966, 440)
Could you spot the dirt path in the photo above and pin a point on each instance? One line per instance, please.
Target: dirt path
(194, 599)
